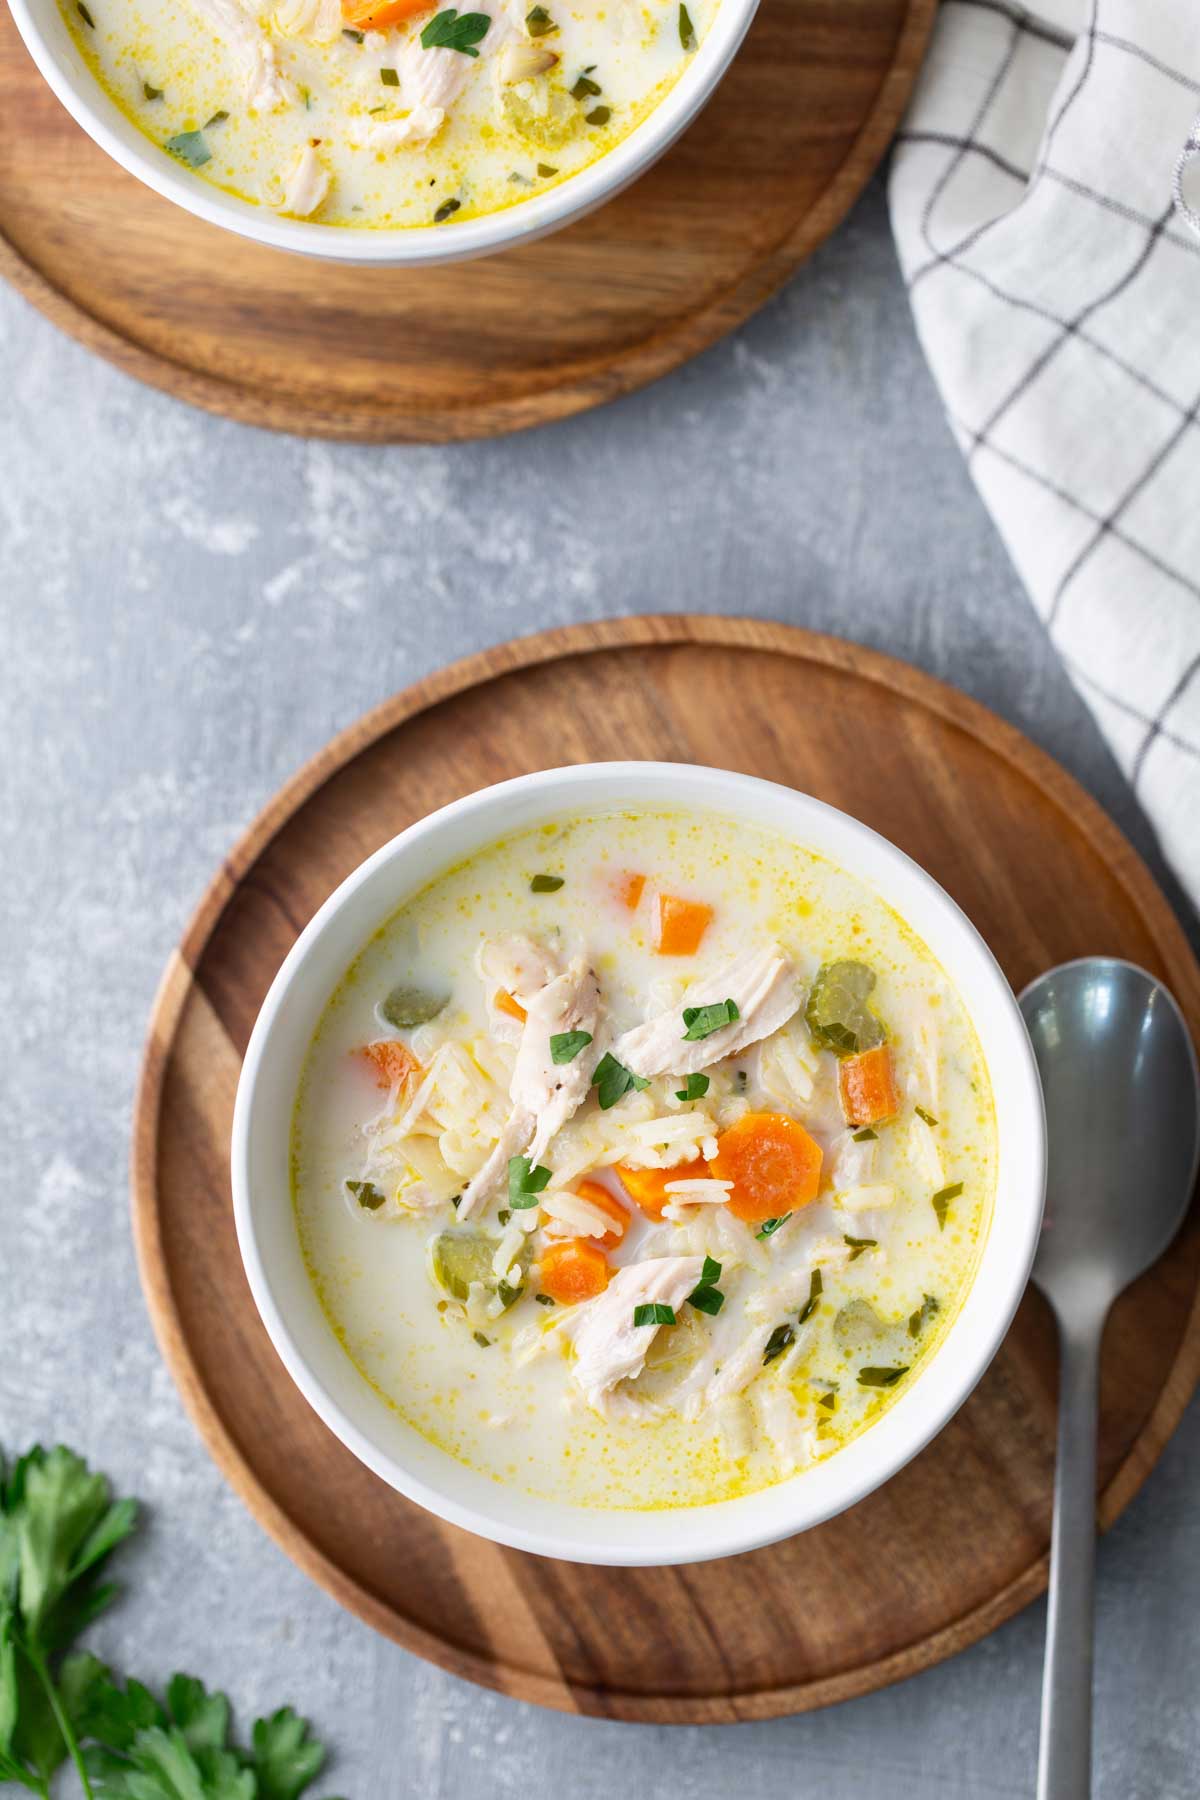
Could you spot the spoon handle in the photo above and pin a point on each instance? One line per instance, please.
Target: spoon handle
(1065, 1767)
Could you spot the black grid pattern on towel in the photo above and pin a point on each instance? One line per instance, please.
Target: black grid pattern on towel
(980, 440)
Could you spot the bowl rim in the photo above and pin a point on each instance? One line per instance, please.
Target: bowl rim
(856, 1472)
(404, 246)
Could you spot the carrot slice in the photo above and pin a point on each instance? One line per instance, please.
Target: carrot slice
(573, 1271)
(867, 1087)
(630, 889)
(681, 925)
(393, 1061)
(648, 1187)
(374, 15)
(773, 1163)
(503, 1002)
(610, 1207)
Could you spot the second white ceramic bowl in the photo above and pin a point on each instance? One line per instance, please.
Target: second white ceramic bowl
(54, 51)
(373, 1430)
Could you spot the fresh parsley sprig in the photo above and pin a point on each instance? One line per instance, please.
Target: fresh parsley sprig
(452, 30)
(59, 1526)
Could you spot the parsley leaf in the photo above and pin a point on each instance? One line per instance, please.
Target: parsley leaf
(942, 1199)
(694, 1088)
(566, 1045)
(777, 1343)
(769, 1227)
(654, 1313)
(613, 1080)
(702, 1021)
(450, 30)
(525, 1182)
(816, 1287)
(687, 31)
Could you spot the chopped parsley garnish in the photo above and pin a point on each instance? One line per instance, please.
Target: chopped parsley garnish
(356, 37)
(525, 1182)
(85, 15)
(545, 1299)
(827, 1402)
(701, 1021)
(446, 211)
(881, 1378)
(367, 1195)
(599, 115)
(483, 1342)
(694, 1088)
(865, 1136)
(389, 78)
(218, 118)
(191, 148)
(858, 1245)
(687, 31)
(942, 1199)
(503, 1215)
(545, 169)
(654, 1313)
(706, 1296)
(566, 1045)
(151, 93)
(769, 1227)
(448, 30)
(538, 22)
(613, 1080)
(456, 1202)
(545, 884)
(777, 1343)
(929, 1308)
(584, 87)
(927, 1116)
(507, 1294)
(816, 1287)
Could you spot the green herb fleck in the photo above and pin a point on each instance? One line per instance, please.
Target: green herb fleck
(599, 115)
(694, 1088)
(927, 1116)
(191, 148)
(654, 1312)
(827, 1401)
(769, 1227)
(507, 1294)
(566, 1045)
(448, 30)
(545, 884)
(525, 1183)
(613, 1080)
(816, 1287)
(584, 87)
(503, 1215)
(859, 1245)
(881, 1378)
(687, 31)
(151, 92)
(389, 78)
(545, 1299)
(218, 118)
(777, 1343)
(446, 211)
(865, 1136)
(706, 1296)
(546, 169)
(356, 37)
(483, 1342)
(367, 1195)
(538, 22)
(929, 1308)
(942, 1199)
(701, 1021)
(85, 15)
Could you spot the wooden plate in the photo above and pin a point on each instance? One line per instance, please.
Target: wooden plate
(953, 1544)
(416, 355)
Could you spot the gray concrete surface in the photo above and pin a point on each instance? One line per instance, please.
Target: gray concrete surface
(188, 610)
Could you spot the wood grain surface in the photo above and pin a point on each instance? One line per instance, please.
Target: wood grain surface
(612, 302)
(953, 1544)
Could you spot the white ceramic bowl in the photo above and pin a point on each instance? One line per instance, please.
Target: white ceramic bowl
(53, 50)
(374, 1431)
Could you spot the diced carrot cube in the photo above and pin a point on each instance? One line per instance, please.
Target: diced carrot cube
(376, 15)
(392, 1061)
(503, 1002)
(681, 925)
(867, 1087)
(573, 1271)
(630, 889)
(648, 1187)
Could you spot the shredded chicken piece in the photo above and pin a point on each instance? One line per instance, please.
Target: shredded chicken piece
(306, 186)
(852, 1160)
(421, 124)
(609, 1347)
(763, 985)
(318, 20)
(266, 88)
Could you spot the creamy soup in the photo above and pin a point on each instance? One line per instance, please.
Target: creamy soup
(643, 1159)
(387, 114)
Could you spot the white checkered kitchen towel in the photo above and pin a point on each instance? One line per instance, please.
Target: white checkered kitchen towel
(1039, 197)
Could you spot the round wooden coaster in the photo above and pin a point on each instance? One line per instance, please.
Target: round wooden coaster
(543, 331)
(953, 1544)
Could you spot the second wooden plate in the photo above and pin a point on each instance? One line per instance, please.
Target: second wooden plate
(953, 1544)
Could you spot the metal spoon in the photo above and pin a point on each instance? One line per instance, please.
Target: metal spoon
(1123, 1136)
